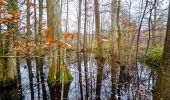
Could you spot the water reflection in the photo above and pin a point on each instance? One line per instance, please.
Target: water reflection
(9, 93)
(99, 79)
(39, 76)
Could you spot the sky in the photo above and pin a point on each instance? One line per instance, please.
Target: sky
(105, 6)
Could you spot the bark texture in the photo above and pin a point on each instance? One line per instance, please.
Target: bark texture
(162, 88)
(54, 24)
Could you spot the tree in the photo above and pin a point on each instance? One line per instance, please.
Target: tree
(54, 33)
(97, 24)
(113, 24)
(8, 72)
(162, 91)
(54, 25)
(78, 49)
(113, 45)
(85, 26)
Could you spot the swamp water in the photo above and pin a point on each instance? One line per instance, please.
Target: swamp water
(95, 79)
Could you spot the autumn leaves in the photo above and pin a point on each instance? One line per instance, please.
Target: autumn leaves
(8, 15)
(22, 43)
(3, 3)
(51, 41)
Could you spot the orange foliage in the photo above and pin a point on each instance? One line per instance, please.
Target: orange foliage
(6, 35)
(47, 32)
(3, 3)
(9, 16)
(3, 20)
(13, 12)
(61, 44)
(31, 4)
(50, 41)
(69, 35)
(16, 44)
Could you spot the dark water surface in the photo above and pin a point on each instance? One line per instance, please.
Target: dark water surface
(95, 79)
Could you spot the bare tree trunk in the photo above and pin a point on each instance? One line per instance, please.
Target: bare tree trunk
(67, 17)
(154, 24)
(137, 94)
(114, 27)
(85, 25)
(8, 70)
(40, 17)
(84, 47)
(114, 43)
(54, 24)
(29, 65)
(119, 32)
(97, 23)
(100, 66)
(86, 74)
(78, 49)
(162, 91)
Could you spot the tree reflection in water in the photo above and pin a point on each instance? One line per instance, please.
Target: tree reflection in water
(92, 79)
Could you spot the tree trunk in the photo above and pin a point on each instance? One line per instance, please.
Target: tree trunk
(97, 23)
(154, 38)
(85, 27)
(162, 88)
(119, 39)
(40, 16)
(8, 72)
(78, 50)
(56, 54)
(54, 24)
(67, 17)
(113, 35)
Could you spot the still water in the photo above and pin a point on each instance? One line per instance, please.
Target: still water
(96, 79)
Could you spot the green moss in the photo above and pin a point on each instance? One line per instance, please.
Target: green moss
(58, 79)
(154, 56)
(51, 80)
(67, 76)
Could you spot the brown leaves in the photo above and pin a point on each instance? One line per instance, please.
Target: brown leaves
(16, 15)
(47, 32)
(6, 35)
(9, 16)
(70, 35)
(32, 4)
(50, 41)
(67, 35)
(61, 44)
(3, 3)
(19, 47)
(42, 23)
(6, 17)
